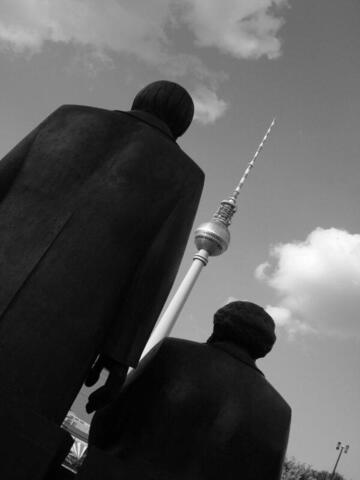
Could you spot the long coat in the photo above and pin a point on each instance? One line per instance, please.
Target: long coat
(192, 411)
(96, 207)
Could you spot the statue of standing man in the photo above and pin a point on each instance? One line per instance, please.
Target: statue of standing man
(96, 207)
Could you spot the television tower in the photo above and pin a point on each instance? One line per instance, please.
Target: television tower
(211, 239)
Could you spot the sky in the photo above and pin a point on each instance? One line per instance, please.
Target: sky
(295, 239)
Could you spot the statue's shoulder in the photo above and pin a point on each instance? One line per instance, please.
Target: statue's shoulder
(175, 343)
(74, 106)
(194, 168)
(180, 348)
(86, 109)
(83, 115)
(278, 399)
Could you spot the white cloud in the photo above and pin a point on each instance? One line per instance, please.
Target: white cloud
(283, 318)
(118, 26)
(242, 28)
(104, 29)
(317, 282)
(281, 315)
(208, 107)
(143, 28)
(231, 299)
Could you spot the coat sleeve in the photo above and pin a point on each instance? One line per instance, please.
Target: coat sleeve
(106, 426)
(13, 161)
(152, 282)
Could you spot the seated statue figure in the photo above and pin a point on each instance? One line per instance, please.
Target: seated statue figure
(197, 411)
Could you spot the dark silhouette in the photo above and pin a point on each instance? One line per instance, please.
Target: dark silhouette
(197, 411)
(95, 211)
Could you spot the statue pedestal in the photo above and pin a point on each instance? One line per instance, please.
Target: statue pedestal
(31, 446)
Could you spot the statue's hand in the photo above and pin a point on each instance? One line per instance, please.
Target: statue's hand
(113, 385)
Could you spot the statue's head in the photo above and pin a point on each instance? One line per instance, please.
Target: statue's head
(246, 325)
(169, 102)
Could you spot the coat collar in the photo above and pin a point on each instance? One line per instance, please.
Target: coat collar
(237, 352)
(151, 120)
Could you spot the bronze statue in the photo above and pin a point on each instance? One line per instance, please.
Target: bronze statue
(95, 211)
(199, 411)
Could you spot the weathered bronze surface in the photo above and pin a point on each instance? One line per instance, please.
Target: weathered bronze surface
(197, 411)
(95, 210)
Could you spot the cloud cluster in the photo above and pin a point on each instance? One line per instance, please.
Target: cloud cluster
(208, 107)
(317, 282)
(143, 28)
(242, 28)
(118, 26)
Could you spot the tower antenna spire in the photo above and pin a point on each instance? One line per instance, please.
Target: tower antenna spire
(228, 207)
(253, 160)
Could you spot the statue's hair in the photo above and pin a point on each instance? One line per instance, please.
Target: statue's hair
(168, 101)
(247, 325)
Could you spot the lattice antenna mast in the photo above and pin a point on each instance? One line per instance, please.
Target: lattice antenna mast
(211, 239)
(228, 207)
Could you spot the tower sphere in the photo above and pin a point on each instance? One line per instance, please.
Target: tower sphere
(213, 236)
